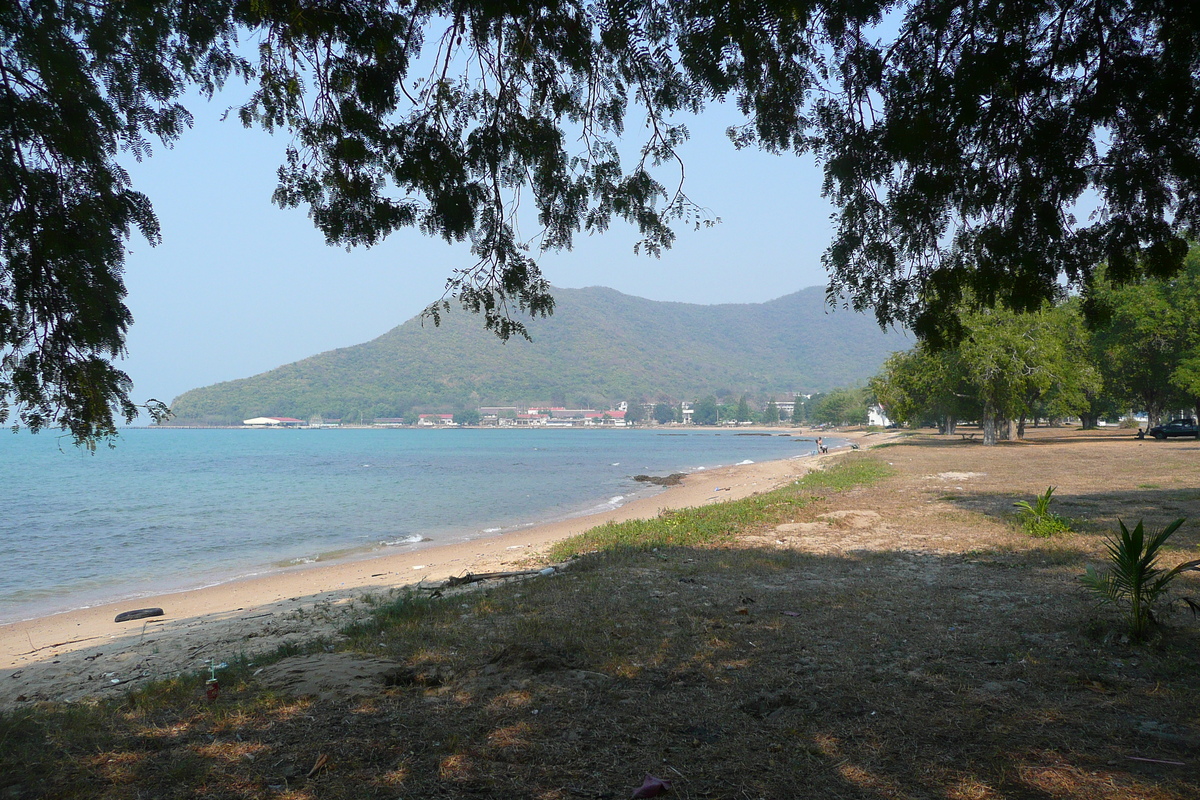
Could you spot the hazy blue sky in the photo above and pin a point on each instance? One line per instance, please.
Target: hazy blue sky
(239, 286)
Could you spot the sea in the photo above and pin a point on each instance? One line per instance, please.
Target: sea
(171, 509)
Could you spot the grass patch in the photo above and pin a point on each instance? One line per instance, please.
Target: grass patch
(719, 523)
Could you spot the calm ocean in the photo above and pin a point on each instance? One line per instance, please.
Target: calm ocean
(173, 509)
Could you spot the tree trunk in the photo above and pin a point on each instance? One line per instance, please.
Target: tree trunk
(1021, 427)
(951, 424)
(1090, 421)
(989, 424)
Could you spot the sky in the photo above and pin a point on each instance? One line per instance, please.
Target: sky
(239, 286)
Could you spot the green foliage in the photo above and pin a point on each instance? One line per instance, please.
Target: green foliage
(575, 353)
(1007, 366)
(1133, 580)
(955, 149)
(468, 416)
(720, 522)
(664, 413)
(1038, 519)
(770, 413)
(1148, 345)
(799, 410)
(742, 412)
(840, 407)
(705, 411)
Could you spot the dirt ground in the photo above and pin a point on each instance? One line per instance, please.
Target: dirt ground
(904, 639)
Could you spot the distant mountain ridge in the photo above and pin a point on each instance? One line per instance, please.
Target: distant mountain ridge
(599, 347)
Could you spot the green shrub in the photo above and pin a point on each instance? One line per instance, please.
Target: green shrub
(1134, 581)
(1038, 519)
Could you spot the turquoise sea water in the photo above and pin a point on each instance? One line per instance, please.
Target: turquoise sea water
(174, 509)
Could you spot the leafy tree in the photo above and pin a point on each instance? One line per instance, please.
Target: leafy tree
(664, 413)
(798, 410)
(840, 407)
(955, 149)
(771, 413)
(635, 412)
(743, 413)
(705, 412)
(924, 386)
(1008, 367)
(1148, 342)
(469, 416)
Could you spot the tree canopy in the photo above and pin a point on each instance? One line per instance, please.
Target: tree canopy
(960, 141)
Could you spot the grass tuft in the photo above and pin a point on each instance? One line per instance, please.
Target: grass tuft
(719, 523)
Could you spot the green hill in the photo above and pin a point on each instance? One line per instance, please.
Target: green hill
(600, 347)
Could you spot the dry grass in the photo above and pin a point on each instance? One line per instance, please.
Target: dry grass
(865, 635)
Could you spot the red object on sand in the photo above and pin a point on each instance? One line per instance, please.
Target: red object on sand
(212, 689)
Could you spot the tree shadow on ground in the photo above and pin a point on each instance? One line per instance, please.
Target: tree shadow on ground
(733, 672)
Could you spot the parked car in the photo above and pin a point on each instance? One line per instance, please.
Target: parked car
(1184, 426)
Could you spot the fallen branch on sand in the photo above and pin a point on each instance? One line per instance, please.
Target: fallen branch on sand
(476, 577)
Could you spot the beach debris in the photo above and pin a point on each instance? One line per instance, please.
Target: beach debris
(472, 577)
(652, 787)
(212, 687)
(138, 613)
(323, 763)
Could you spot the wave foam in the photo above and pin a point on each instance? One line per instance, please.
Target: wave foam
(416, 538)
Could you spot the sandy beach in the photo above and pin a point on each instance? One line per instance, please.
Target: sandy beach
(84, 653)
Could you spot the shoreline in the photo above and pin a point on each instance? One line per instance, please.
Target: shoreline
(101, 579)
(82, 653)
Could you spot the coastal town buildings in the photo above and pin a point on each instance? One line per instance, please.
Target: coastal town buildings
(273, 422)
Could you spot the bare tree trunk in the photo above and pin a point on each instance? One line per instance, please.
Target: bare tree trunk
(1021, 427)
(951, 424)
(989, 424)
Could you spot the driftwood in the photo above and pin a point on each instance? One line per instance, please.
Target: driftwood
(491, 576)
(138, 613)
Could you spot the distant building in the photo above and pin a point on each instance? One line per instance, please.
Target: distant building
(607, 419)
(273, 422)
(876, 416)
(389, 422)
(436, 420)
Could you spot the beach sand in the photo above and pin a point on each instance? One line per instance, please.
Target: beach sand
(84, 653)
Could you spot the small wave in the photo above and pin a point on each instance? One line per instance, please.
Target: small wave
(616, 464)
(743, 463)
(701, 469)
(492, 530)
(613, 501)
(302, 560)
(414, 539)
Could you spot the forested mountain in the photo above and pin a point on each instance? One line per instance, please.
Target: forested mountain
(599, 347)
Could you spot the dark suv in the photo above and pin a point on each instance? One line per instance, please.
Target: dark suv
(1184, 426)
